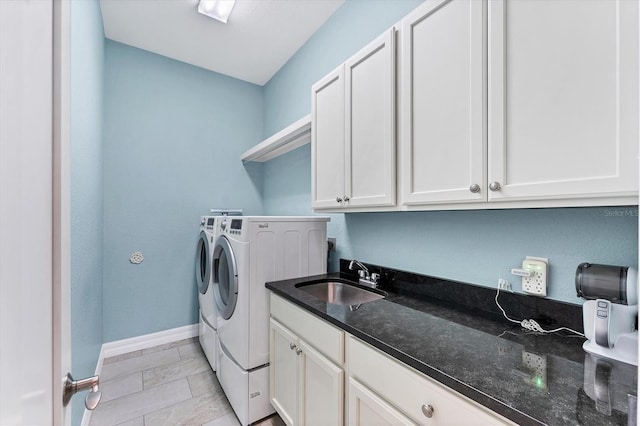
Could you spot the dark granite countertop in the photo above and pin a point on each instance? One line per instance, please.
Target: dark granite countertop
(482, 358)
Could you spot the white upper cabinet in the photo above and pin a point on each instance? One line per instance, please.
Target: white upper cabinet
(563, 99)
(353, 130)
(327, 140)
(501, 104)
(442, 103)
(370, 126)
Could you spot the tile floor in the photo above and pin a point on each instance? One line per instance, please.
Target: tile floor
(170, 384)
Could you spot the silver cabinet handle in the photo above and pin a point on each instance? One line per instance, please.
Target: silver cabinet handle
(338, 199)
(427, 410)
(292, 346)
(474, 188)
(346, 199)
(71, 387)
(495, 186)
(298, 351)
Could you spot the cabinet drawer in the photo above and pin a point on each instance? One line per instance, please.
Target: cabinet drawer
(326, 338)
(408, 390)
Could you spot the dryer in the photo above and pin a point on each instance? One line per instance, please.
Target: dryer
(249, 252)
(208, 315)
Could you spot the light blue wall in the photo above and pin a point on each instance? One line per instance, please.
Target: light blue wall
(87, 64)
(350, 28)
(174, 134)
(481, 246)
(471, 246)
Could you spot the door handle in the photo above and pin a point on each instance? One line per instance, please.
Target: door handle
(71, 387)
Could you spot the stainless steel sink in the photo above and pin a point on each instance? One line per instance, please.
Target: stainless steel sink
(341, 293)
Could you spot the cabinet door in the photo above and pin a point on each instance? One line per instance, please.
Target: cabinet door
(563, 98)
(368, 409)
(443, 138)
(321, 385)
(370, 174)
(283, 372)
(411, 392)
(327, 140)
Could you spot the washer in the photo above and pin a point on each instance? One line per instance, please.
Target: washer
(208, 316)
(250, 251)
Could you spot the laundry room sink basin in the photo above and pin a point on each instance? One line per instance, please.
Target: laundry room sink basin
(341, 293)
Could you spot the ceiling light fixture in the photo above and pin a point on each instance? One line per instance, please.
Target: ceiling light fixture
(216, 9)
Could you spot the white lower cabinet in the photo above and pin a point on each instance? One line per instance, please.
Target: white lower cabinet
(307, 372)
(321, 389)
(368, 409)
(283, 373)
(306, 383)
(388, 392)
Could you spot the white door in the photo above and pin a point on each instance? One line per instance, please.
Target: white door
(34, 211)
(320, 388)
(368, 409)
(443, 104)
(327, 141)
(370, 172)
(283, 372)
(563, 98)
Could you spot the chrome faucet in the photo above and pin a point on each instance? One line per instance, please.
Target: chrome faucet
(366, 278)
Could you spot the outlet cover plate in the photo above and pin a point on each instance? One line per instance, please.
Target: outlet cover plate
(537, 283)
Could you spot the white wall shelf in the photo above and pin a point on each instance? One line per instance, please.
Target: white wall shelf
(289, 138)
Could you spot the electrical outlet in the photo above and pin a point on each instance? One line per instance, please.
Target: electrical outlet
(537, 366)
(504, 285)
(535, 284)
(332, 243)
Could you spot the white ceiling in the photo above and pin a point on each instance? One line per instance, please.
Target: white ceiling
(259, 38)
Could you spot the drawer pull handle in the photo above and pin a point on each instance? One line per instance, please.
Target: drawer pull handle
(427, 410)
(292, 346)
(298, 351)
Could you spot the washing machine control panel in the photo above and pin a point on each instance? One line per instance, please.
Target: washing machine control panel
(231, 226)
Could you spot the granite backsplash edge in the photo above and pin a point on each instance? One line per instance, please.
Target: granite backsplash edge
(476, 299)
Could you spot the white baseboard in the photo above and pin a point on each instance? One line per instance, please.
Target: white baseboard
(146, 341)
(132, 344)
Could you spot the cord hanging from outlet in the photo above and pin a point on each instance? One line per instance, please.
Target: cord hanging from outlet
(530, 324)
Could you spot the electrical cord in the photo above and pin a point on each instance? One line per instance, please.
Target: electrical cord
(532, 325)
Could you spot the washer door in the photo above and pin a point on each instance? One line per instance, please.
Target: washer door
(225, 278)
(203, 267)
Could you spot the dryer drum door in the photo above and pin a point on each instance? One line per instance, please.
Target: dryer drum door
(203, 265)
(225, 278)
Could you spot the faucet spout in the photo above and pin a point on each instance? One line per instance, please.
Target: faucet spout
(366, 278)
(359, 265)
